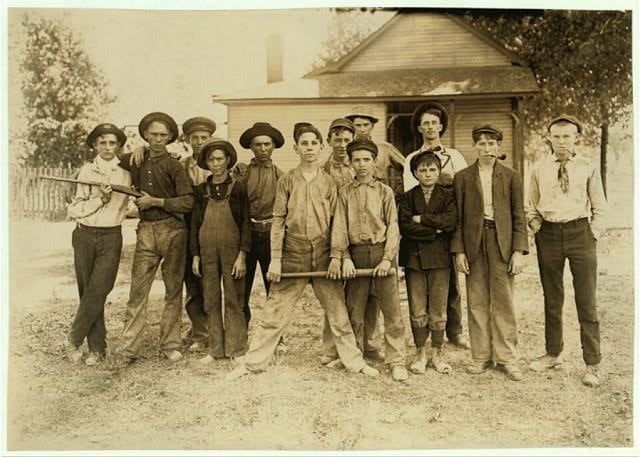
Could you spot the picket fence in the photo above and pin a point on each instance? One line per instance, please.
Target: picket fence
(34, 198)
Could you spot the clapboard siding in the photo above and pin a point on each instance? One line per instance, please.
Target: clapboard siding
(425, 41)
(284, 116)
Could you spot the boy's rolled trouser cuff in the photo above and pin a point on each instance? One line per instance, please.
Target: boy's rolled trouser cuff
(420, 335)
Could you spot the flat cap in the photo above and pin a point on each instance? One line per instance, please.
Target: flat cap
(261, 128)
(217, 143)
(198, 123)
(488, 129)
(305, 127)
(420, 157)
(361, 143)
(567, 118)
(362, 111)
(103, 129)
(342, 122)
(422, 108)
(159, 117)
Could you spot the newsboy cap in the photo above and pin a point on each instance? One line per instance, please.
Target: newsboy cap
(261, 128)
(420, 157)
(488, 129)
(362, 111)
(159, 117)
(217, 143)
(567, 118)
(361, 143)
(305, 127)
(103, 129)
(342, 122)
(198, 123)
(422, 108)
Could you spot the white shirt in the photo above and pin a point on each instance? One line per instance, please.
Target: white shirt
(486, 180)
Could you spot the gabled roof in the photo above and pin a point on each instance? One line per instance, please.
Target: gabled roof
(337, 66)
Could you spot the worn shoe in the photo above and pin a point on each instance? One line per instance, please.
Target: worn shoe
(281, 349)
(399, 373)
(73, 353)
(327, 359)
(513, 372)
(374, 355)
(545, 362)
(478, 367)
(173, 356)
(93, 359)
(336, 364)
(206, 360)
(437, 362)
(197, 347)
(369, 371)
(591, 376)
(418, 367)
(459, 341)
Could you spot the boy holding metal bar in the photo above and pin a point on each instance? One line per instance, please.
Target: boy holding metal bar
(305, 203)
(365, 233)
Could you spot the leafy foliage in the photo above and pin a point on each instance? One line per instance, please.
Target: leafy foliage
(64, 94)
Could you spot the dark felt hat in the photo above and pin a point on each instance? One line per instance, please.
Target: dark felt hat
(199, 123)
(342, 122)
(567, 118)
(422, 108)
(217, 143)
(159, 117)
(362, 111)
(102, 129)
(421, 157)
(261, 128)
(362, 143)
(305, 127)
(488, 129)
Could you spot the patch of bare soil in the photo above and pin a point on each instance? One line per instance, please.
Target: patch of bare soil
(297, 403)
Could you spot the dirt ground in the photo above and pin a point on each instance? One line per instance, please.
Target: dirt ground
(299, 404)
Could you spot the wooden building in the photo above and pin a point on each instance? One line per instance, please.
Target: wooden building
(415, 56)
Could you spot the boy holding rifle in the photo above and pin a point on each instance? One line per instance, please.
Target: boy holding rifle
(302, 212)
(365, 233)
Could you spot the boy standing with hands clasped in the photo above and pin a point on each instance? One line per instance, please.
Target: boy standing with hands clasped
(305, 203)
(220, 240)
(365, 234)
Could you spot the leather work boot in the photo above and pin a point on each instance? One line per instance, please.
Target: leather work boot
(591, 376)
(93, 359)
(369, 371)
(513, 372)
(478, 367)
(196, 347)
(437, 362)
(73, 353)
(399, 373)
(545, 362)
(173, 356)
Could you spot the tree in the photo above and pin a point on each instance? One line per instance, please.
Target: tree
(581, 60)
(64, 94)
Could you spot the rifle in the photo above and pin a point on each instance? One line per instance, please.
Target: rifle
(360, 273)
(115, 187)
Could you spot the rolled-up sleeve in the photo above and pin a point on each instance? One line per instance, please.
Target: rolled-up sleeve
(279, 216)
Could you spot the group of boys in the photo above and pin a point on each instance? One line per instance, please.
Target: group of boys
(208, 226)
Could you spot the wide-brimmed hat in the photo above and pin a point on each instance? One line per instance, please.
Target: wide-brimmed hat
(488, 129)
(217, 143)
(159, 117)
(422, 108)
(198, 123)
(567, 118)
(103, 129)
(361, 143)
(261, 128)
(362, 111)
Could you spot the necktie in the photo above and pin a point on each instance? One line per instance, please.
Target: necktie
(563, 177)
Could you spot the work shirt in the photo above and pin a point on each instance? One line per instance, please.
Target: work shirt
(388, 156)
(87, 207)
(486, 180)
(161, 177)
(302, 209)
(195, 174)
(452, 162)
(341, 172)
(261, 182)
(585, 197)
(238, 203)
(365, 214)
